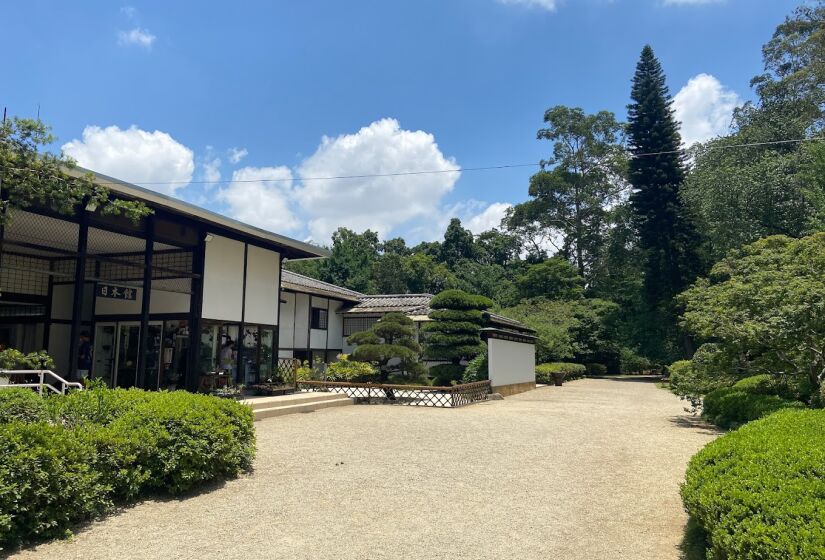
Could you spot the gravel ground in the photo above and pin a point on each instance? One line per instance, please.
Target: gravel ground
(587, 471)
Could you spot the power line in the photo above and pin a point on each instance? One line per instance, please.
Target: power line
(442, 171)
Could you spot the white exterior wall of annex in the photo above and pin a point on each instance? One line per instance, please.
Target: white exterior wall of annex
(223, 282)
(286, 330)
(511, 363)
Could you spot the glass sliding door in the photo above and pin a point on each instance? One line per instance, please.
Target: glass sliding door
(128, 348)
(265, 366)
(103, 357)
(249, 363)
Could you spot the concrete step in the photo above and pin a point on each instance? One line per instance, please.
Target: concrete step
(311, 406)
(258, 403)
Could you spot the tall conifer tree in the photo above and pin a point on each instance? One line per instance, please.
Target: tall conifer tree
(657, 172)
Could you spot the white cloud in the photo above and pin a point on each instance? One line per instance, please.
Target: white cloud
(237, 154)
(488, 219)
(705, 108)
(262, 196)
(377, 203)
(549, 5)
(134, 155)
(212, 170)
(137, 36)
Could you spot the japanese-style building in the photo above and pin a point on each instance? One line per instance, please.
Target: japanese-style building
(162, 301)
(182, 299)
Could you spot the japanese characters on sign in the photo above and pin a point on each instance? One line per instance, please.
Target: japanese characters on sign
(116, 292)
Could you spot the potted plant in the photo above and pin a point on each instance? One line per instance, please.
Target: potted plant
(558, 378)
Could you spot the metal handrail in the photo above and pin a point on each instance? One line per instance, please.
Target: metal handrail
(41, 373)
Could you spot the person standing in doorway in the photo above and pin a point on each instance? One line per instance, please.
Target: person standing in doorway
(84, 355)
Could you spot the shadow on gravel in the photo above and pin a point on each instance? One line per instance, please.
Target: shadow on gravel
(629, 378)
(695, 423)
(694, 542)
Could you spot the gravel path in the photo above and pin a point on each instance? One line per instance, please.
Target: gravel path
(587, 471)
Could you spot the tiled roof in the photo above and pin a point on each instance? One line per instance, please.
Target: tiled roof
(411, 304)
(364, 304)
(305, 284)
(506, 322)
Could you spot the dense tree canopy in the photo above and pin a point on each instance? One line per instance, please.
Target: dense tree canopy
(763, 308)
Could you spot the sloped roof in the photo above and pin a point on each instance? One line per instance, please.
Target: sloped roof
(409, 304)
(304, 284)
(417, 305)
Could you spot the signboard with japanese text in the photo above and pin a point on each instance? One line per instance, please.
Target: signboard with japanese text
(116, 292)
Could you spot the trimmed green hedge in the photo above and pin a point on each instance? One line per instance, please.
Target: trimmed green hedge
(759, 492)
(457, 299)
(731, 406)
(22, 404)
(545, 372)
(103, 447)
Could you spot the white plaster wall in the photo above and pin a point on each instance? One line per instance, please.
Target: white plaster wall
(511, 362)
(318, 337)
(336, 325)
(262, 286)
(286, 333)
(223, 279)
(301, 320)
(285, 354)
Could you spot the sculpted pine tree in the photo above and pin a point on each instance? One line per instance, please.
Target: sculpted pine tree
(454, 334)
(390, 344)
(656, 172)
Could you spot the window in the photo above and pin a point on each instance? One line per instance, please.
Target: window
(320, 318)
(353, 325)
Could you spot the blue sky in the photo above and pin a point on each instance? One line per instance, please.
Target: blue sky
(184, 97)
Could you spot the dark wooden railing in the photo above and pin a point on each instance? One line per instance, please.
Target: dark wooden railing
(409, 395)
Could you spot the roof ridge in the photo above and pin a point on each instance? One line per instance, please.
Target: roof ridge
(337, 287)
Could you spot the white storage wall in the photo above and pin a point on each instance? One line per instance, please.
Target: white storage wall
(511, 362)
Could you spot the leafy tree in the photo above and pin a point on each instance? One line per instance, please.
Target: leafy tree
(458, 244)
(497, 247)
(554, 279)
(575, 186)
(583, 330)
(666, 234)
(739, 195)
(388, 274)
(794, 76)
(30, 176)
(426, 276)
(396, 245)
(762, 307)
(489, 280)
(454, 334)
(390, 344)
(352, 260)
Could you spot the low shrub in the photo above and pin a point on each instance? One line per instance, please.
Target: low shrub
(102, 447)
(759, 492)
(763, 384)
(596, 369)
(477, 369)
(348, 370)
(546, 372)
(22, 405)
(631, 362)
(49, 480)
(731, 406)
(446, 375)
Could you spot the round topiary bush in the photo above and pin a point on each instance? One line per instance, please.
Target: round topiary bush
(758, 492)
(731, 406)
